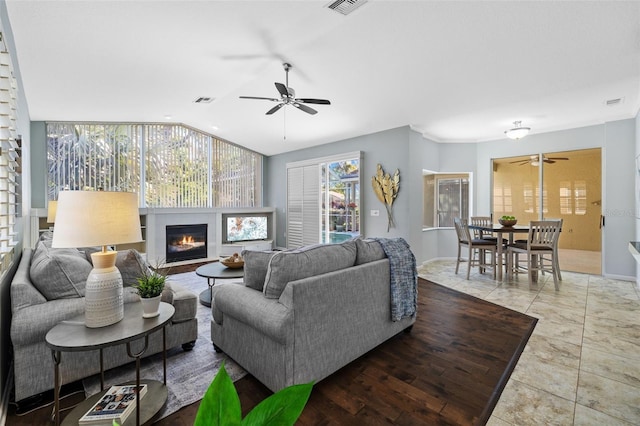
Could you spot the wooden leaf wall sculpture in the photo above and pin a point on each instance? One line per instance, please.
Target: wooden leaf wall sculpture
(386, 188)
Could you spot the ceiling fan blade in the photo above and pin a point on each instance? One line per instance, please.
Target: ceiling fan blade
(314, 101)
(558, 158)
(519, 161)
(282, 89)
(257, 97)
(274, 109)
(304, 108)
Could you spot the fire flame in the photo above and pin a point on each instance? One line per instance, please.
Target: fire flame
(186, 239)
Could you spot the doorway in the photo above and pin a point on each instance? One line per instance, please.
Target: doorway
(565, 185)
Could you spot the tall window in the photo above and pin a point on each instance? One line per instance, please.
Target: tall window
(446, 196)
(169, 165)
(10, 150)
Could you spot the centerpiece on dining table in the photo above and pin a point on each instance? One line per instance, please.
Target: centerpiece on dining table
(508, 221)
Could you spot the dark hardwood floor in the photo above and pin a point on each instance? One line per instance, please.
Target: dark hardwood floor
(449, 370)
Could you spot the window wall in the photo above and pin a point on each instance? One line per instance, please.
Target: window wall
(169, 165)
(446, 196)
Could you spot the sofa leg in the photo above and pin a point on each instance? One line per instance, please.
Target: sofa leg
(408, 329)
(188, 346)
(217, 349)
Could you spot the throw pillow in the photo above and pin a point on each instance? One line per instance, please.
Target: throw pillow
(256, 264)
(286, 266)
(368, 251)
(59, 273)
(131, 266)
(129, 262)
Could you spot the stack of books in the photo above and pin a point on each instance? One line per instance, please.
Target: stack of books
(116, 404)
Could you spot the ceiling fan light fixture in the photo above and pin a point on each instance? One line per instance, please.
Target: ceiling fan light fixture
(518, 132)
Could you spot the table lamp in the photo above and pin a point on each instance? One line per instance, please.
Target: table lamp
(99, 218)
(51, 211)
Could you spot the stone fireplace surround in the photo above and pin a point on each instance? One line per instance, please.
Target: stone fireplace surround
(154, 222)
(158, 219)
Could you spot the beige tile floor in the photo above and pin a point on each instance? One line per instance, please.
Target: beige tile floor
(581, 366)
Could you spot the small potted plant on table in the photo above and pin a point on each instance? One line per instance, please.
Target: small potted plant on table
(149, 287)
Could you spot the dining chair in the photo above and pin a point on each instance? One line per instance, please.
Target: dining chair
(476, 249)
(541, 249)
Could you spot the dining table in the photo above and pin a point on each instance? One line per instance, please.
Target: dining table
(500, 230)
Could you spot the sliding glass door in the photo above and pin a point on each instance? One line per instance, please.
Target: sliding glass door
(556, 185)
(323, 200)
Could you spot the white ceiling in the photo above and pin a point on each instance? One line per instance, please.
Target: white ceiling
(455, 71)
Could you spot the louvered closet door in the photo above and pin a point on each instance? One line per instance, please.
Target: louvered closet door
(303, 206)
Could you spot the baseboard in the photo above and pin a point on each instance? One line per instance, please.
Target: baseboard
(619, 277)
(4, 403)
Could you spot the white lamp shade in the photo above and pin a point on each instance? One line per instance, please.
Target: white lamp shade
(51, 211)
(517, 133)
(96, 218)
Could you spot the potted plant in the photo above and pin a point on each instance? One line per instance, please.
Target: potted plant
(220, 405)
(149, 287)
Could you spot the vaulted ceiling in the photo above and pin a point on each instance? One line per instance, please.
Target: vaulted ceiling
(455, 71)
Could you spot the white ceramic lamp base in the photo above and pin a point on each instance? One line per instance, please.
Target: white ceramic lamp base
(104, 300)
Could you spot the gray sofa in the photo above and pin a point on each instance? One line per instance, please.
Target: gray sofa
(55, 294)
(301, 315)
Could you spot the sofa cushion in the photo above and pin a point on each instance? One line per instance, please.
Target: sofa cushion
(131, 266)
(129, 262)
(256, 264)
(369, 250)
(59, 273)
(286, 266)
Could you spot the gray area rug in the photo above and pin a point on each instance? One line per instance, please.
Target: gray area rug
(189, 374)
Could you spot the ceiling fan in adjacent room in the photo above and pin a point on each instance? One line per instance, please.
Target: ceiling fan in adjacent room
(534, 160)
(288, 97)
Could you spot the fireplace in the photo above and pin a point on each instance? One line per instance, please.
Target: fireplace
(186, 242)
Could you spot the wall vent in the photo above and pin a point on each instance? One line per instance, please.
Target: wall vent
(203, 100)
(612, 102)
(345, 7)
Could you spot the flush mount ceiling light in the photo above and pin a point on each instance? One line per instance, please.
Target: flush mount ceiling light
(518, 132)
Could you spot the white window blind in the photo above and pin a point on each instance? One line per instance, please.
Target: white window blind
(170, 165)
(303, 205)
(10, 151)
(177, 167)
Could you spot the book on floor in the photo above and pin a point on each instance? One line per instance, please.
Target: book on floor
(116, 404)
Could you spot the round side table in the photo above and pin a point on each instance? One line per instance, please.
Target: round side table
(73, 336)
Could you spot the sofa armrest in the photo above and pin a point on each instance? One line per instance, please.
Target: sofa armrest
(184, 300)
(251, 307)
(31, 324)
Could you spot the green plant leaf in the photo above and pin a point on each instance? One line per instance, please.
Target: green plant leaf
(221, 404)
(281, 409)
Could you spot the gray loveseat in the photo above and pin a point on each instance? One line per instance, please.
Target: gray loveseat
(301, 315)
(48, 288)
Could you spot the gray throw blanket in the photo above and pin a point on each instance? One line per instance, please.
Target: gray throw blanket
(404, 277)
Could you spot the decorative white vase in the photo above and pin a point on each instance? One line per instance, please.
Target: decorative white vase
(150, 306)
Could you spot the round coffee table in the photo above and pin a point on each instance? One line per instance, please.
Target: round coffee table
(214, 270)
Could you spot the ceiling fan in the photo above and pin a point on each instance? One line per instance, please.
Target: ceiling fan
(288, 97)
(533, 160)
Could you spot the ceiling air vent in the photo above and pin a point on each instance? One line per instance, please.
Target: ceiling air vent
(612, 102)
(203, 100)
(346, 6)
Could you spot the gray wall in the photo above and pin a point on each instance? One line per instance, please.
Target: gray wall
(617, 140)
(39, 164)
(637, 188)
(393, 150)
(23, 129)
(410, 152)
